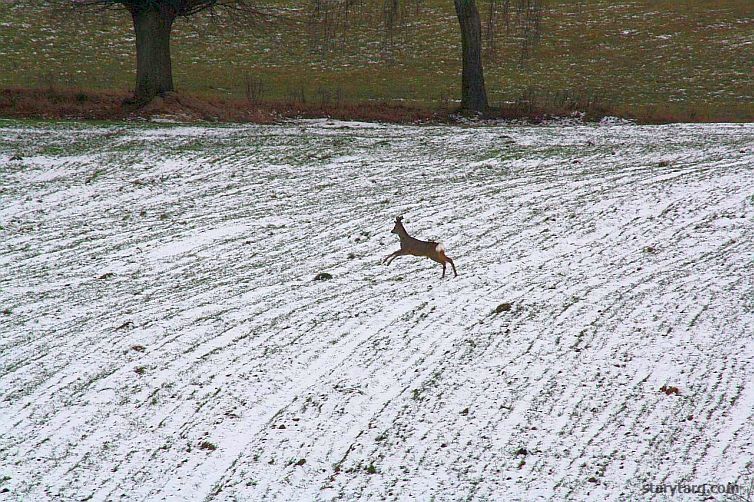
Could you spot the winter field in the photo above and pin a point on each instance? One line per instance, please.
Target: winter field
(162, 337)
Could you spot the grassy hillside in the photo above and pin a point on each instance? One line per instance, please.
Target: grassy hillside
(693, 55)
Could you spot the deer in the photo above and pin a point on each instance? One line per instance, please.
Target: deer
(414, 247)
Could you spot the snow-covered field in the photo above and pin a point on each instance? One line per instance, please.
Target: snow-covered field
(162, 337)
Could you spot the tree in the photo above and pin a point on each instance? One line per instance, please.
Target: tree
(520, 18)
(522, 21)
(153, 23)
(473, 91)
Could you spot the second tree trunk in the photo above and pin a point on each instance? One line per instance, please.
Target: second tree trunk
(473, 92)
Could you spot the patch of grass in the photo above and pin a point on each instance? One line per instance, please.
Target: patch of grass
(96, 174)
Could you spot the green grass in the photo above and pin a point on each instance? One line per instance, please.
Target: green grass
(688, 56)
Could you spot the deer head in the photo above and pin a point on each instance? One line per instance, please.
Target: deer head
(398, 225)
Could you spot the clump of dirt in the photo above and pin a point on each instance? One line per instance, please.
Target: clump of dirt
(125, 325)
(670, 390)
(503, 307)
(322, 276)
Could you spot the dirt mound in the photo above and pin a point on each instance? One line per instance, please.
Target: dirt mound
(173, 107)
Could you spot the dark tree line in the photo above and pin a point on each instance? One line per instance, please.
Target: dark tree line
(153, 23)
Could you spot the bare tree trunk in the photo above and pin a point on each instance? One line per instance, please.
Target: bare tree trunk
(473, 92)
(154, 74)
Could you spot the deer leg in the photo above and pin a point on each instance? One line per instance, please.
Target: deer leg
(452, 265)
(389, 258)
(393, 258)
(386, 258)
(443, 271)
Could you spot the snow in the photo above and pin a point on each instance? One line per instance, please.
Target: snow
(157, 293)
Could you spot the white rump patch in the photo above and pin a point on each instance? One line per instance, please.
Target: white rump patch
(440, 248)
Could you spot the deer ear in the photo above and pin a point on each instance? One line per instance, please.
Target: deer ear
(399, 218)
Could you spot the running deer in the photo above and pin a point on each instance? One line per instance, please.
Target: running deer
(409, 246)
